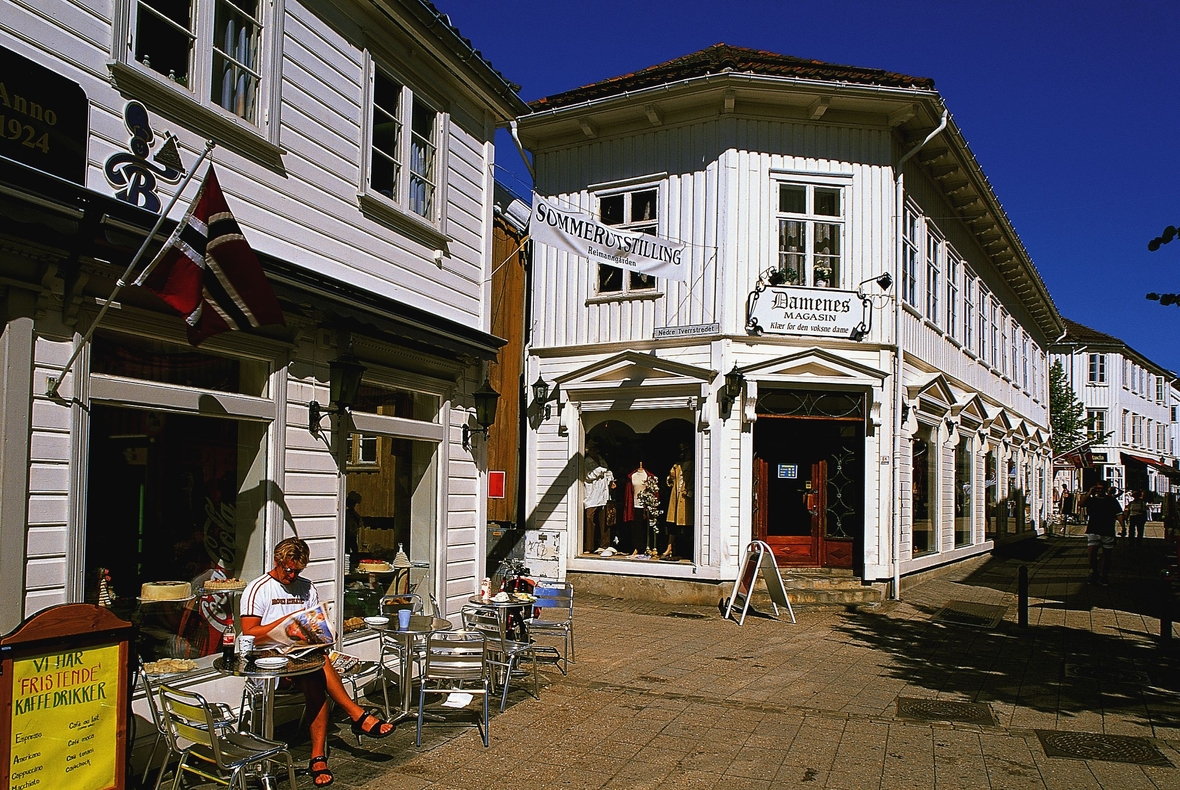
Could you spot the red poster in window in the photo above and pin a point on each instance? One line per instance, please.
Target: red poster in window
(496, 484)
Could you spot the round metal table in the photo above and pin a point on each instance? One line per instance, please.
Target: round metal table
(420, 626)
(268, 681)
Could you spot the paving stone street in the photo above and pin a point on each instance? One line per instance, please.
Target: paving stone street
(673, 696)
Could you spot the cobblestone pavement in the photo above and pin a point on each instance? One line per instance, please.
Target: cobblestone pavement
(692, 701)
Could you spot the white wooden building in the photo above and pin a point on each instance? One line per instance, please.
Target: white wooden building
(781, 175)
(355, 146)
(1131, 407)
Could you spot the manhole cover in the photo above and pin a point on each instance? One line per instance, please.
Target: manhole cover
(978, 615)
(945, 710)
(688, 615)
(1106, 674)
(1096, 746)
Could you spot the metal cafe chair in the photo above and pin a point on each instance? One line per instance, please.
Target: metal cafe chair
(456, 663)
(503, 653)
(556, 600)
(391, 649)
(188, 719)
(223, 719)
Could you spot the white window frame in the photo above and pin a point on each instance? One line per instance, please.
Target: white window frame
(396, 211)
(257, 137)
(809, 218)
(628, 191)
(985, 323)
(954, 266)
(1096, 369)
(911, 237)
(935, 250)
(997, 318)
(1095, 424)
(968, 309)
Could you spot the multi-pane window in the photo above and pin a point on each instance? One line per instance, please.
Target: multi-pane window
(934, 251)
(1136, 430)
(985, 324)
(210, 48)
(423, 156)
(1003, 363)
(1097, 369)
(810, 234)
(403, 162)
(635, 211)
(1095, 424)
(1024, 360)
(996, 326)
(968, 310)
(1014, 337)
(909, 257)
(952, 294)
(1159, 389)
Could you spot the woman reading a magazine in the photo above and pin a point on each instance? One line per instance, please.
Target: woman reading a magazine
(267, 602)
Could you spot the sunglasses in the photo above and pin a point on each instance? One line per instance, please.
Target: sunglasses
(294, 570)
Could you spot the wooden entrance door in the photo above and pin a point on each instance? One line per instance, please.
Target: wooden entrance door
(807, 504)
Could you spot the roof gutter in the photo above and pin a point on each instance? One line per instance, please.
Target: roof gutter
(899, 350)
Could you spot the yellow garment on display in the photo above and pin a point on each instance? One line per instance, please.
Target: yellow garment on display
(679, 507)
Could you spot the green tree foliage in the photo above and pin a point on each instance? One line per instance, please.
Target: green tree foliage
(1067, 414)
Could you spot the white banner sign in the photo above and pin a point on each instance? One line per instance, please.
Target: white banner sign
(586, 237)
(789, 310)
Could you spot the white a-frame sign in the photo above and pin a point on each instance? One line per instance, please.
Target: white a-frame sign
(758, 557)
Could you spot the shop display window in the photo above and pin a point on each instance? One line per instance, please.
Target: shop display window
(174, 497)
(637, 491)
(390, 502)
(964, 492)
(924, 485)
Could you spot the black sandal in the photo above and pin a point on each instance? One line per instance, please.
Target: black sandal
(374, 730)
(317, 773)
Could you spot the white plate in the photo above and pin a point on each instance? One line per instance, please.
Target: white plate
(271, 662)
(377, 622)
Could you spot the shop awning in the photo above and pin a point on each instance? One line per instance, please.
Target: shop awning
(1166, 469)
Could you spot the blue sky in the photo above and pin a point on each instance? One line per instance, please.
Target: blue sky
(1072, 108)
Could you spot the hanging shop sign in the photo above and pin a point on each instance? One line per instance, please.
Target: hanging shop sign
(43, 118)
(791, 310)
(133, 175)
(586, 237)
(65, 697)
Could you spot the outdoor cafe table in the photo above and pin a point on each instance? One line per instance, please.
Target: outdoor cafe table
(510, 628)
(269, 679)
(420, 625)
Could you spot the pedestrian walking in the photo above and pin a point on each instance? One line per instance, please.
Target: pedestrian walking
(1102, 511)
(1067, 506)
(1135, 518)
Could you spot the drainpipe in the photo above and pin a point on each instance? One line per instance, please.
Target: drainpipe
(899, 355)
(520, 148)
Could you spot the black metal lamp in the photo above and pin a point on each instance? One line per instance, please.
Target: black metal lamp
(541, 396)
(732, 389)
(486, 401)
(344, 382)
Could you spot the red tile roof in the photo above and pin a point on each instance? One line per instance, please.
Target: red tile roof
(722, 57)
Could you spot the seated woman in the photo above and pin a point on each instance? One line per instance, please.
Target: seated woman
(267, 600)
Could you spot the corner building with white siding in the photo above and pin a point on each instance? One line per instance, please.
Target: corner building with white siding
(354, 143)
(781, 175)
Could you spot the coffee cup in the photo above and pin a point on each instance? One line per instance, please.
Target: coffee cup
(245, 644)
(403, 619)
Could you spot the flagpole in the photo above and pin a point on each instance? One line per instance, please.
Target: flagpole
(121, 283)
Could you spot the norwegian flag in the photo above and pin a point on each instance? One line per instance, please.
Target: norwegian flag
(208, 273)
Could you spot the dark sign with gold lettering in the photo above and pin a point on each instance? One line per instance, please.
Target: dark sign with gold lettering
(43, 118)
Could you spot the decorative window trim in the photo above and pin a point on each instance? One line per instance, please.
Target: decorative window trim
(260, 141)
(432, 233)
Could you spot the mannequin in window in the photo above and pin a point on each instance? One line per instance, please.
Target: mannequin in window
(598, 480)
(679, 497)
(634, 513)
